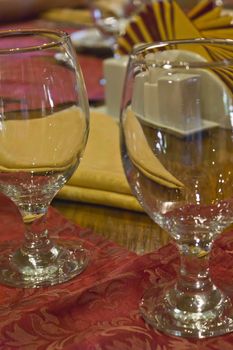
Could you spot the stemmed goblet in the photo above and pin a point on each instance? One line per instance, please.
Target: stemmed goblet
(176, 144)
(44, 123)
(111, 18)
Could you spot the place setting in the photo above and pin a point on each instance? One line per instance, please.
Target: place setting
(162, 149)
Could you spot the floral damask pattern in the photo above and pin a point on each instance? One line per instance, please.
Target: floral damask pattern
(98, 310)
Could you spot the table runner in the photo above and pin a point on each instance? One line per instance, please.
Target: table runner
(98, 309)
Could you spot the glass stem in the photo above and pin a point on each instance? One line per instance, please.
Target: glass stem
(194, 291)
(36, 234)
(194, 268)
(38, 251)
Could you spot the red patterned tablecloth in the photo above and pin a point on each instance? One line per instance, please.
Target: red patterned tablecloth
(98, 310)
(92, 67)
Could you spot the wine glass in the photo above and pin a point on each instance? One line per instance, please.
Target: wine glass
(44, 123)
(111, 17)
(176, 145)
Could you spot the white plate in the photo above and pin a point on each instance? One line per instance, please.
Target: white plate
(90, 38)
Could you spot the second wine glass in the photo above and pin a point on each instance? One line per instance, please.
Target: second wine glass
(176, 142)
(111, 17)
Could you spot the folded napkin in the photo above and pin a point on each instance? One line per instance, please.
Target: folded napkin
(100, 177)
(68, 15)
(166, 20)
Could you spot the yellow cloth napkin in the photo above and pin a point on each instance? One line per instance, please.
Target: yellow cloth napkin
(165, 20)
(100, 177)
(67, 15)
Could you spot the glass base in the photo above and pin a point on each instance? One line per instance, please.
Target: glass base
(67, 260)
(157, 309)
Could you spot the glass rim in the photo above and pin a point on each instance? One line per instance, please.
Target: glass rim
(61, 38)
(193, 41)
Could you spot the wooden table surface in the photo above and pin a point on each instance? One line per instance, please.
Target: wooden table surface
(133, 230)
